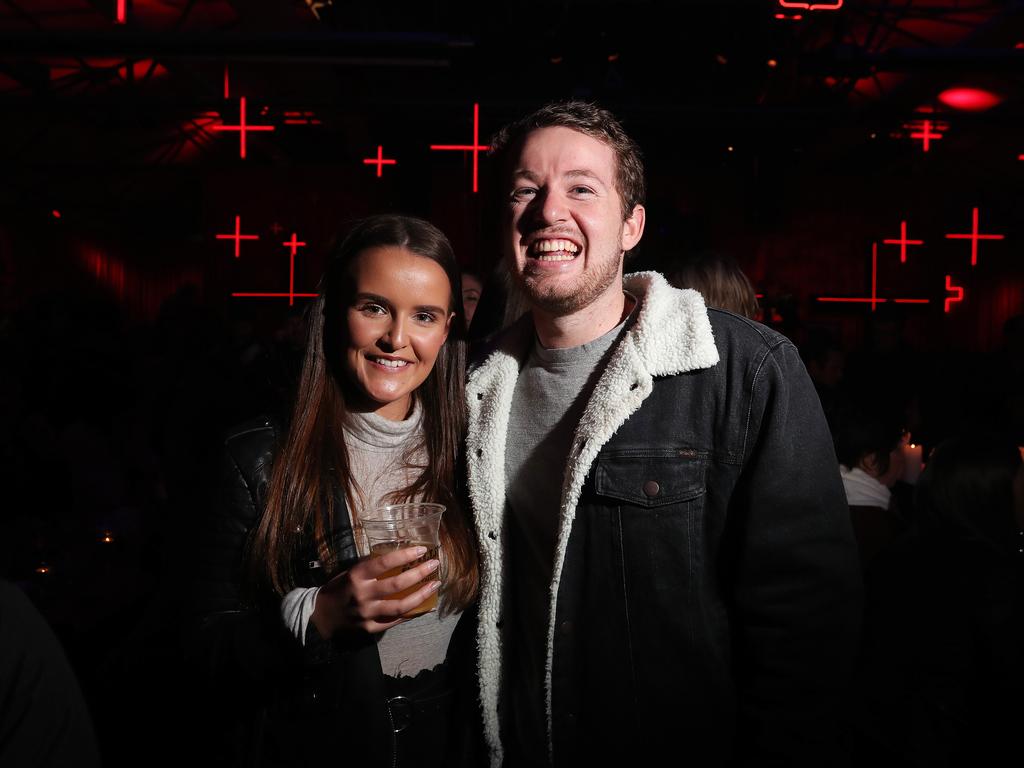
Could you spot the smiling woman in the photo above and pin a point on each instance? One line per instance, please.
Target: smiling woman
(399, 318)
(317, 631)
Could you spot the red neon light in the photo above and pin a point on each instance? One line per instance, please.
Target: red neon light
(294, 244)
(476, 148)
(835, 5)
(380, 161)
(784, 17)
(243, 127)
(56, 213)
(957, 290)
(238, 237)
(874, 299)
(926, 134)
(122, 11)
(227, 83)
(969, 99)
(903, 242)
(974, 237)
(301, 118)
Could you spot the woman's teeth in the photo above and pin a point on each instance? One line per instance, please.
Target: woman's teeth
(390, 363)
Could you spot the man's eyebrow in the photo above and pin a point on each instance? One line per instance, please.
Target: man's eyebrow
(523, 173)
(582, 173)
(575, 173)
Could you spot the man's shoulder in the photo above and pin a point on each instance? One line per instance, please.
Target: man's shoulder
(738, 334)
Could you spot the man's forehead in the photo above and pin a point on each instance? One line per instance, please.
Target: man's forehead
(570, 152)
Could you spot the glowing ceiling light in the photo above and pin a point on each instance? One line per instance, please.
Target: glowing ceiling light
(969, 99)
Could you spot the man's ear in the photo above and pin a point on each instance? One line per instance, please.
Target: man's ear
(633, 228)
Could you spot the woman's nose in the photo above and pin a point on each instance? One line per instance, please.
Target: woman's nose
(394, 336)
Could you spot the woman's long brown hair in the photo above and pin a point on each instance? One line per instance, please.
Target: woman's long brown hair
(311, 465)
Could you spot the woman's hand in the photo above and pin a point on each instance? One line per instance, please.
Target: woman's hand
(355, 599)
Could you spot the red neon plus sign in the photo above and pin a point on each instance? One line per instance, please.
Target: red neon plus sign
(476, 148)
(243, 127)
(238, 237)
(903, 242)
(294, 244)
(873, 299)
(926, 134)
(974, 237)
(380, 161)
(956, 290)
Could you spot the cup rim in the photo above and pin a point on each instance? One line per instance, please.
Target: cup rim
(373, 516)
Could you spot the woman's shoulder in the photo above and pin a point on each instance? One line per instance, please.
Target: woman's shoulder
(250, 444)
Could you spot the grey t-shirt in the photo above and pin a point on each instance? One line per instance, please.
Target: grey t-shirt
(550, 396)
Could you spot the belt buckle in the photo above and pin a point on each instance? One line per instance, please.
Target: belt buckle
(401, 711)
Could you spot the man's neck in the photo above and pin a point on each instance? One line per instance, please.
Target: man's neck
(591, 322)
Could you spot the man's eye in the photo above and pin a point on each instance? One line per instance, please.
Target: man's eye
(582, 191)
(523, 192)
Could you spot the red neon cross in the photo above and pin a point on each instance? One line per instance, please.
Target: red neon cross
(874, 299)
(957, 290)
(238, 237)
(243, 127)
(974, 237)
(476, 148)
(903, 242)
(294, 244)
(926, 134)
(380, 161)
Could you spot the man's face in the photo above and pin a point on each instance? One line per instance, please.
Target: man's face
(565, 228)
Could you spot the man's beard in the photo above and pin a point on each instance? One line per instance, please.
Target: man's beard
(566, 299)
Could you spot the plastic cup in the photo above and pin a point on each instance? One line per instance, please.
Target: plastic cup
(395, 526)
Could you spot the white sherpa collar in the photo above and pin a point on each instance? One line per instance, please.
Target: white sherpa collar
(671, 335)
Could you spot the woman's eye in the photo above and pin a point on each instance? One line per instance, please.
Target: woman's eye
(373, 309)
(424, 317)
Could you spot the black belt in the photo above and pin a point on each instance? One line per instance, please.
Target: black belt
(405, 709)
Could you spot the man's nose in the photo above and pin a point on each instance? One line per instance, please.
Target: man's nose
(551, 207)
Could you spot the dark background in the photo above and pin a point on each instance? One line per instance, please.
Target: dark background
(781, 141)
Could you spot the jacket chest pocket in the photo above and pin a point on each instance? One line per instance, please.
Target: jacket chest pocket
(652, 479)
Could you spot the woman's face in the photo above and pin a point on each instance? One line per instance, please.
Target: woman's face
(397, 321)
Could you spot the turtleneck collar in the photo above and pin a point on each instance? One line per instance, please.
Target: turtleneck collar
(375, 431)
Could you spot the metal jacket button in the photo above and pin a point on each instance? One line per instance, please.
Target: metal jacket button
(651, 488)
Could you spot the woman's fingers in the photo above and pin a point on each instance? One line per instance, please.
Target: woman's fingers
(390, 612)
(405, 579)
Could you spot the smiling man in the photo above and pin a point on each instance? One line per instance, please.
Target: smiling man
(667, 561)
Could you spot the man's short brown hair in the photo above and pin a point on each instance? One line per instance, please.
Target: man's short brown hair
(593, 121)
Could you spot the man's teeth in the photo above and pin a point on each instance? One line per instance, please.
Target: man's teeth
(390, 363)
(555, 250)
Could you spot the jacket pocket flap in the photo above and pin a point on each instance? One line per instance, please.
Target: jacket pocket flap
(651, 480)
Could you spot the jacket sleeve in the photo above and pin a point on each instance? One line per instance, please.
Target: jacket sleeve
(798, 587)
(230, 636)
